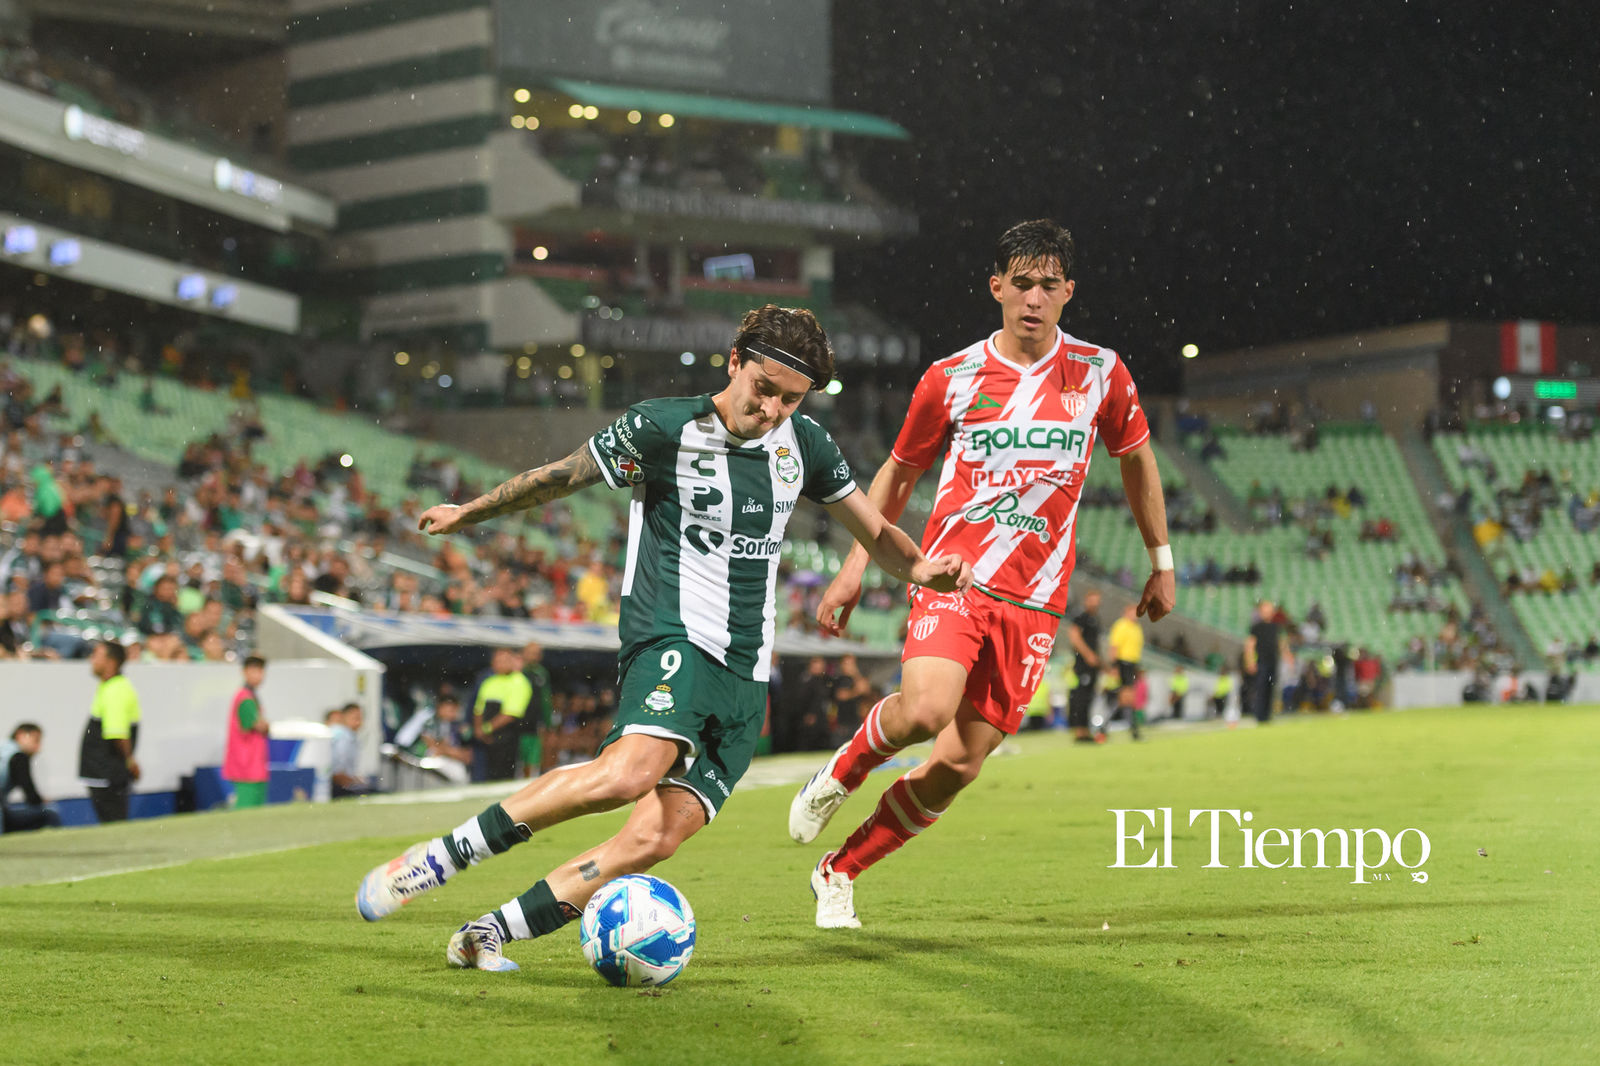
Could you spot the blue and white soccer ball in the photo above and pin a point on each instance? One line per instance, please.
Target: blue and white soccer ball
(637, 930)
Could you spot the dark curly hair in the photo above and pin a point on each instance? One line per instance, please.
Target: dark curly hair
(794, 330)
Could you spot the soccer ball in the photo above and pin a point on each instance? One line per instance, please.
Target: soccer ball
(637, 930)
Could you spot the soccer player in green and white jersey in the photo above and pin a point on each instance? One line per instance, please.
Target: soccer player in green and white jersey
(714, 480)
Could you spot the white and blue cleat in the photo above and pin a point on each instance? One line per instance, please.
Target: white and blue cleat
(397, 882)
(476, 946)
(814, 805)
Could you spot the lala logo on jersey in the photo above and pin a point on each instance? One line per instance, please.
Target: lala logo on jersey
(788, 466)
(1075, 400)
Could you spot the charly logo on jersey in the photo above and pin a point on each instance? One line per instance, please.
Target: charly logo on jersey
(1007, 511)
(708, 541)
(1024, 436)
(788, 466)
(983, 403)
(1075, 400)
(660, 701)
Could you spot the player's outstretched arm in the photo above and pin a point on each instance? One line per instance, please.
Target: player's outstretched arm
(528, 489)
(890, 491)
(896, 552)
(1141, 480)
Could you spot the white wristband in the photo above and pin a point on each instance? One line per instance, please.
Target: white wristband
(1161, 557)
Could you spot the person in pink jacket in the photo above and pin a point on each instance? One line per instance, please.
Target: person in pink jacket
(245, 764)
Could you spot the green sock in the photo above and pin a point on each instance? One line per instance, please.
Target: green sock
(534, 913)
(476, 839)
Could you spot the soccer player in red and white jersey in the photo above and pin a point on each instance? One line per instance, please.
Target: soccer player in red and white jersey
(1015, 418)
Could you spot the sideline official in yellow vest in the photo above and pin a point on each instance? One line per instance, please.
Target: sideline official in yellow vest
(497, 717)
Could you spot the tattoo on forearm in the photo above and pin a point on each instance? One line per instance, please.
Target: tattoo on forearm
(534, 487)
(590, 870)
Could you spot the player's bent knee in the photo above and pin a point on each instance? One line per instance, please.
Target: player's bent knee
(928, 715)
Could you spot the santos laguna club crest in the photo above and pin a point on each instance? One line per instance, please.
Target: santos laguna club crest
(1075, 400)
(788, 466)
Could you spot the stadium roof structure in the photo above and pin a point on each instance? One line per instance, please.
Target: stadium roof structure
(629, 97)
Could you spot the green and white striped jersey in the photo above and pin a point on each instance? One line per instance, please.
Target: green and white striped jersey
(706, 523)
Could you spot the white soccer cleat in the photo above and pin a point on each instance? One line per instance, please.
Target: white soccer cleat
(476, 946)
(397, 882)
(836, 908)
(814, 805)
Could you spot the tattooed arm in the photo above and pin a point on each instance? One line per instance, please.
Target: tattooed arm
(528, 489)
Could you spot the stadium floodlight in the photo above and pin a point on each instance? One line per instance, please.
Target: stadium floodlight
(445, 381)
(1191, 350)
(522, 96)
(834, 387)
(687, 359)
(575, 111)
(635, 117)
(191, 287)
(346, 460)
(666, 121)
(65, 252)
(518, 122)
(1502, 388)
(21, 240)
(541, 253)
(402, 358)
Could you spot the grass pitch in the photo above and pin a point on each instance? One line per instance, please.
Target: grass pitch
(998, 936)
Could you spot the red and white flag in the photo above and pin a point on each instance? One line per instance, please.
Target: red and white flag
(1528, 347)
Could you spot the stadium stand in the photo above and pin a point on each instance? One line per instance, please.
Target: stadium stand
(1308, 548)
(1531, 494)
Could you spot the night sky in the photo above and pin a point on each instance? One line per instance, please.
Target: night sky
(1233, 174)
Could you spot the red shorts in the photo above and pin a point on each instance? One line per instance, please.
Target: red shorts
(1005, 648)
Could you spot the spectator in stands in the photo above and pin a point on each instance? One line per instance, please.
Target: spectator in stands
(244, 762)
(49, 594)
(498, 712)
(16, 774)
(105, 758)
(440, 734)
(160, 613)
(344, 755)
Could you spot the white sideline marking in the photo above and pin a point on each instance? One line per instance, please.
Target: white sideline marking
(169, 865)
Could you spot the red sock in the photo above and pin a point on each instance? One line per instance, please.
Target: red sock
(899, 817)
(868, 750)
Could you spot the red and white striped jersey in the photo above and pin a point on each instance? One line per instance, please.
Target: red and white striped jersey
(1016, 443)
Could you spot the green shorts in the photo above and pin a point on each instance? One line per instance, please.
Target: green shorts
(249, 794)
(674, 690)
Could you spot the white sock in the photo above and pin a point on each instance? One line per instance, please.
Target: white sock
(469, 843)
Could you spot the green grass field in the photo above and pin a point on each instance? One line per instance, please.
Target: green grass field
(998, 936)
